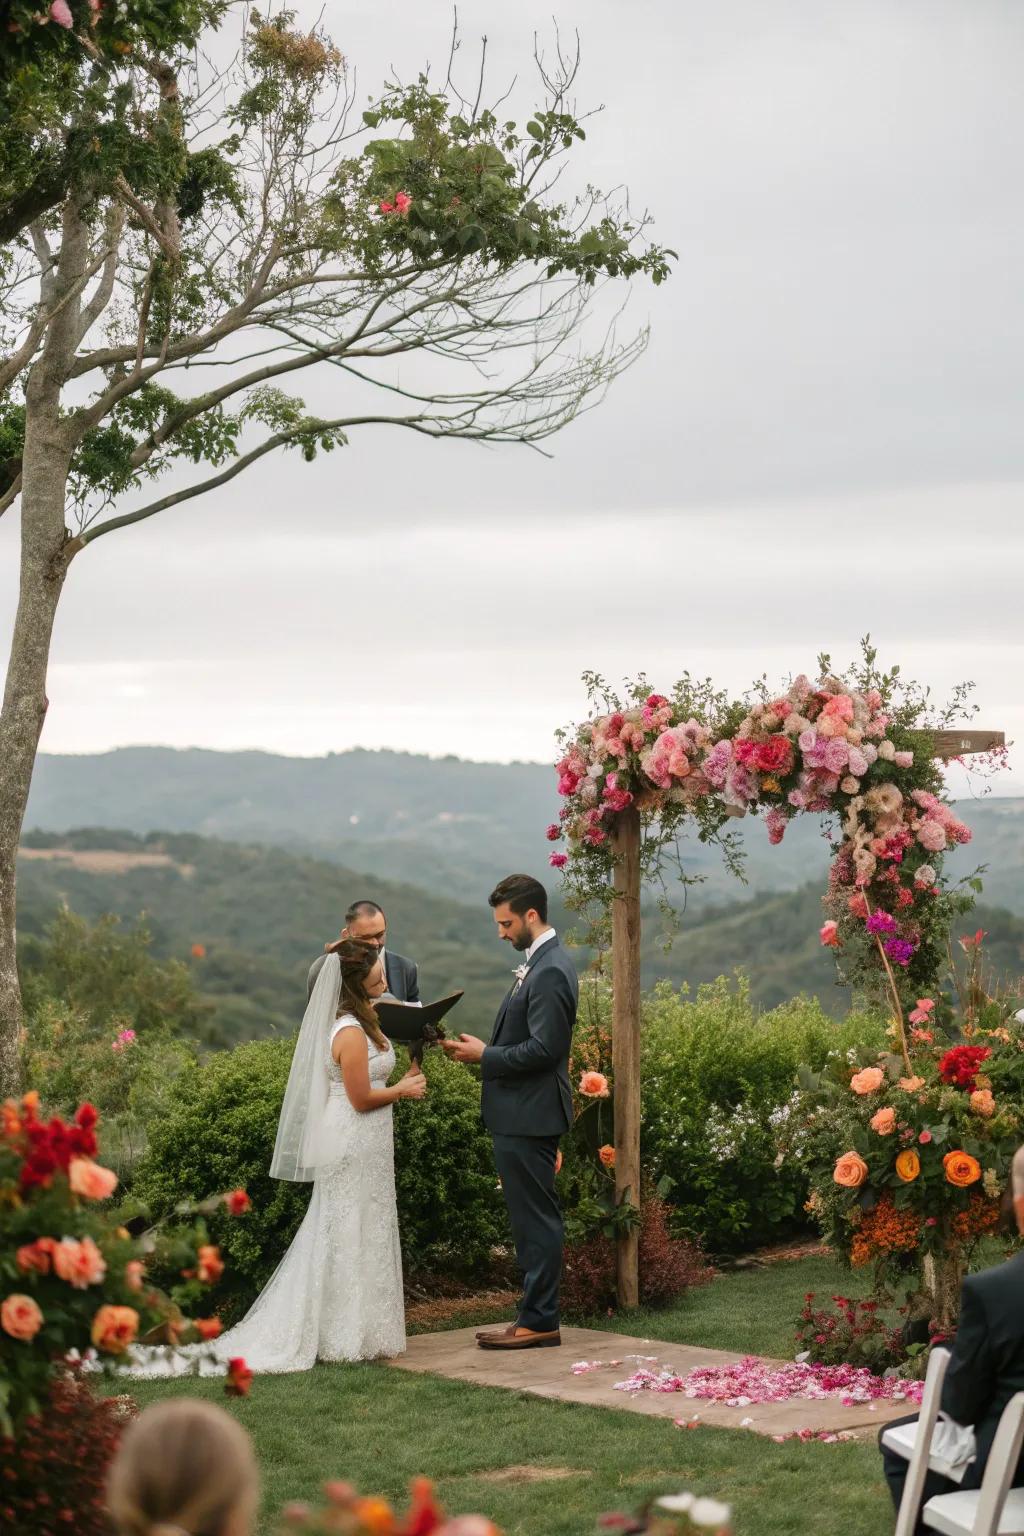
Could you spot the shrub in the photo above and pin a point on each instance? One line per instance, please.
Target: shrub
(718, 1084)
(52, 1478)
(218, 1133)
(668, 1265)
(849, 1333)
(127, 1074)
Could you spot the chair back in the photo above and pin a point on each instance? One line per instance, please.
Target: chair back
(1000, 1467)
(913, 1488)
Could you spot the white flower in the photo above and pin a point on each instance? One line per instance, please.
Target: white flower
(710, 1512)
(677, 1503)
(886, 751)
(521, 971)
(925, 875)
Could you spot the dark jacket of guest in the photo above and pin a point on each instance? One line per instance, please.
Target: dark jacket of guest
(987, 1365)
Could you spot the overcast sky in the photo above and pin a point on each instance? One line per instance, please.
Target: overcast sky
(823, 439)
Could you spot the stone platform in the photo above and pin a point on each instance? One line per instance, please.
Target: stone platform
(548, 1373)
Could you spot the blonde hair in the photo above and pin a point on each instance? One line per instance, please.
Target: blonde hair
(184, 1468)
(1017, 1174)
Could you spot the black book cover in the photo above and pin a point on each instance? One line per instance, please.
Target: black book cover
(408, 1022)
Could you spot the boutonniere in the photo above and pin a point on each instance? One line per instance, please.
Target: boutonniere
(521, 971)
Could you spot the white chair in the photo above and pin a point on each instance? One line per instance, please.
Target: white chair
(913, 1442)
(994, 1509)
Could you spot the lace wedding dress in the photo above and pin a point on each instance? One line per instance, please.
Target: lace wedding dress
(337, 1294)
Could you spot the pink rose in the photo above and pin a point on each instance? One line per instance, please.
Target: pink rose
(924, 1138)
(931, 834)
(60, 12)
(91, 1181)
(558, 860)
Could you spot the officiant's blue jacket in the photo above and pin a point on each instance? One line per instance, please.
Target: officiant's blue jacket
(525, 1069)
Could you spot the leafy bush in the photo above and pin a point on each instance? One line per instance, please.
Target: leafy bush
(850, 1333)
(53, 1476)
(668, 1265)
(71, 1060)
(218, 1134)
(719, 1080)
(717, 1083)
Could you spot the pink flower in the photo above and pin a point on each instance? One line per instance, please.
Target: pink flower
(829, 934)
(553, 832)
(924, 1138)
(90, 1180)
(558, 860)
(884, 1121)
(904, 759)
(931, 834)
(60, 12)
(867, 1080)
(921, 1013)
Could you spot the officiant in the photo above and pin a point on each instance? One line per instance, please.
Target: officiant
(365, 920)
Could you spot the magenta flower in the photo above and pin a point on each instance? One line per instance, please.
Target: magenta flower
(558, 860)
(553, 832)
(900, 950)
(881, 922)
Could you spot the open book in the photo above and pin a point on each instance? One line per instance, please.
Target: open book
(414, 1024)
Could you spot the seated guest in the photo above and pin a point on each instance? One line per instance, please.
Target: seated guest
(366, 920)
(184, 1468)
(987, 1363)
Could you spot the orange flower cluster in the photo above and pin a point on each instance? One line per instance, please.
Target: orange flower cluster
(981, 1216)
(884, 1230)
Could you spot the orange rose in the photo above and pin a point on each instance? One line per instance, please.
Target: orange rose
(884, 1121)
(908, 1165)
(911, 1084)
(594, 1085)
(36, 1257)
(79, 1263)
(867, 1080)
(134, 1271)
(20, 1317)
(208, 1327)
(983, 1103)
(91, 1181)
(211, 1265)
(375, 1516)
(607, 1156)
(850, 1171)
(114, 1328)
(961, 1169)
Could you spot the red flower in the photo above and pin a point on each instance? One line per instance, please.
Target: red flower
(968, 943)
(774, 755)
(960, 1066)
(239, 1378)
(237, 1202)
(87, 1117)
(208, 1327)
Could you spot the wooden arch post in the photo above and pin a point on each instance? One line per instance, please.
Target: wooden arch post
(625, 840)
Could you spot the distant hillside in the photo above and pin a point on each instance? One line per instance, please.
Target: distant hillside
(262, 914)
(444, 824)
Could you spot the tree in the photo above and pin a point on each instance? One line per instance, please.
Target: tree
(264, 232)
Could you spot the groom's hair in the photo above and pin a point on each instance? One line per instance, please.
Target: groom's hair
(362, 909)
(521, 892)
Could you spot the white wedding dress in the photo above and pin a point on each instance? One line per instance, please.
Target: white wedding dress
(337, 1294)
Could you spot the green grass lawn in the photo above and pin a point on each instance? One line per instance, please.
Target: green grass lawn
(378, 1428)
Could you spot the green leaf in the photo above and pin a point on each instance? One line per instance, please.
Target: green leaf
(534, 129)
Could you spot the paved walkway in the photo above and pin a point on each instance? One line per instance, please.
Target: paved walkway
(548, 1373)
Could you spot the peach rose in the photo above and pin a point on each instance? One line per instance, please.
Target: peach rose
(36, 1257)
(983, 1103)
(20, 1317)
(79, 1263)
(91, 1181)
(114, 1328)
(594, 1085)
(211, 1265)
(908, 1165)
(134, 1271)
(961, 1169)
(607, 1156)
(911, 1084)
(850, 1171)
(884, 1122)
(867, 1080)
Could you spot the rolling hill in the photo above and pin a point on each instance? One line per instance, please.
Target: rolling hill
(262, 913)
(447, 825)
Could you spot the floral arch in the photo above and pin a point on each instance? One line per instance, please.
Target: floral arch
(860, 749)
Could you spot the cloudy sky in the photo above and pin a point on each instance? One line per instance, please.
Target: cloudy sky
(823, 439)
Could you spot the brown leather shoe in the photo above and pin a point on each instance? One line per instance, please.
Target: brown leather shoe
(496, 1333)
(513, 1340)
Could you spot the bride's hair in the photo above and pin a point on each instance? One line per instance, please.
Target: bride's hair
(358, 959)
(184, 1468)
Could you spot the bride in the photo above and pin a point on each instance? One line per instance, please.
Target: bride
(337, 1294)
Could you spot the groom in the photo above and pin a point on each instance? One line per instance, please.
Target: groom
(527, 1101)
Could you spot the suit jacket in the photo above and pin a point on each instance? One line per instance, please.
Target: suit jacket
(525, 1069)
(987, 1364)
(400, 973)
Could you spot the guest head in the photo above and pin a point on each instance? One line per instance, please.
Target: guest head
(1017, 1184)
(520, 905)
(184, 1468)
(362, 981)
(366, 920)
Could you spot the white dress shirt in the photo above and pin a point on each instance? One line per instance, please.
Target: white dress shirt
(542, 938)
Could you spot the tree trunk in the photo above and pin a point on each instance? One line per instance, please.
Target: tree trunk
(626, 1041)
(49, 442)
(943, 1276)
